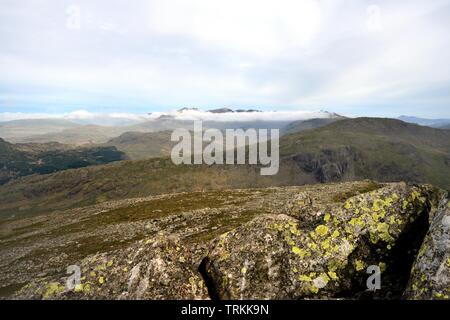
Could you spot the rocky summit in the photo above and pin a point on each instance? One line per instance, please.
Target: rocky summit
(310, 242)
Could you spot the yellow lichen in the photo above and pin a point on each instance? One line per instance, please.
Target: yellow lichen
(327, 217)
(314, 289)
(335, 234)
(383, 227)
(359, 265)
(325, 244)
(332, 275)
(322, 230)
(325, 277)
(53, 289)
(300, 252)
(405, 204)
(294, 230)
(357, 221)
(100, 267)
(304, 278)
(101, 280)
(78, 288)
(376, 206)
(438, 295)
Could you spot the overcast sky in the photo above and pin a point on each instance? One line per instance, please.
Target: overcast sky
(374, 58)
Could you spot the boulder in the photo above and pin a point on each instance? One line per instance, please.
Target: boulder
(430, 275)
(160, 268)
(274, 257)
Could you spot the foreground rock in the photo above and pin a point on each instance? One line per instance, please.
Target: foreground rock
(311, 242)
(41, 248)
(430, 277)
(155, 269)
(273, 258)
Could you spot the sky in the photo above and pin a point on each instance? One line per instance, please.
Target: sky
(357, 58)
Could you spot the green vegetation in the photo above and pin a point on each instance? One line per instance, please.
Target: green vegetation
(26, 159)
(139, 145)
(379, 149)
(347, 150)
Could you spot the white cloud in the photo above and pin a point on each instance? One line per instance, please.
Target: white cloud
(286, 54)
(187, 115)
(243, 116)
(78, 115)
(261, 27)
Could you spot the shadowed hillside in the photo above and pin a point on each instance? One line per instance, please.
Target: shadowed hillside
(352, 149)
(140, 145)
(17, 160)
(382, 149)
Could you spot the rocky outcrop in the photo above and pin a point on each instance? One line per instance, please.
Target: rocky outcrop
(329, 164)
(160, 268)
(273, 258)
(430, 276)
(312, 242)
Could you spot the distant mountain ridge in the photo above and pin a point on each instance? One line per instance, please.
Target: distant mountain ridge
(67, 132)
(435, 123)
(373, 148)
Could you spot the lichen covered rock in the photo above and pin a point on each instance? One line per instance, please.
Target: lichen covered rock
(273, 257)
(159, 268)
(312, 242)
(430, 276)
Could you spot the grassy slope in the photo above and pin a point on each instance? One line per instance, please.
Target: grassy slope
(128, 179)
(381, 149)
(384, 149)
(18, 160)
(143, 145)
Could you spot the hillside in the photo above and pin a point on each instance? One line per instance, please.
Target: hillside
(127, 179)
(144, 145)
(15, 131)
(79, 135)
(17, 160)
(351, 149)
(381, 149)
(434, 123)
(140, 145)
(303, 125)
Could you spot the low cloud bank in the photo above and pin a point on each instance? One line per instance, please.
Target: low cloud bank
(185, 114)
